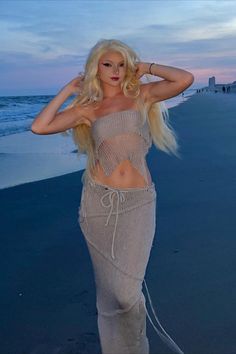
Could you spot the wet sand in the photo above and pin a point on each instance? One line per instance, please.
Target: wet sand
(48, 291)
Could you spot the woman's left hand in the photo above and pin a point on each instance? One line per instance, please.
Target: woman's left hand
(141, 69)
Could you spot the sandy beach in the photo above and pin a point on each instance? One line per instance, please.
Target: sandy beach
(48, 291)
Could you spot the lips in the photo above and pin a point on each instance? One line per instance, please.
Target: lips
(114, 78)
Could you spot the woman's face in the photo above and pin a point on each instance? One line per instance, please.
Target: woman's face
(111, 65)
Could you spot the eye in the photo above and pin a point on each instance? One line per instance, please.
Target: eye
(108, 64)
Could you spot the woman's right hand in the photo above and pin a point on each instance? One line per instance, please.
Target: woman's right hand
(75, 85)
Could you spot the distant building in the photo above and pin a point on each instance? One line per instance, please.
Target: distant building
(213, 87)
(211, 82)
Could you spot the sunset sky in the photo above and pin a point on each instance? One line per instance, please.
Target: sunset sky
(44, 44)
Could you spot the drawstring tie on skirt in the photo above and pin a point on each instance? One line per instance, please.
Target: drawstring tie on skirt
(120, 198)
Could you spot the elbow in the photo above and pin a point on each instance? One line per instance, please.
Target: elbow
(37, 126)
(35, 129)
(188, 80)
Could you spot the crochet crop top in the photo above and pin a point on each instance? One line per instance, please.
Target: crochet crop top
(122, 136)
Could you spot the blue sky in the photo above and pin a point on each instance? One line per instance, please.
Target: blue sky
(44, 44)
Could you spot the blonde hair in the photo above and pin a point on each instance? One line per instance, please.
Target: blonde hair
(156, 114)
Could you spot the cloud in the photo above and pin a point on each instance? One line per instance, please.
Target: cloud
(10, 60)
(55, 36)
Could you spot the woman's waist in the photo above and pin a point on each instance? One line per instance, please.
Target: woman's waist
(101, 199)
(124, 175)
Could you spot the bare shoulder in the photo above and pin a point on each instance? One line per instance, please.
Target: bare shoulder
(88, 114)
(84, 114)
(79, 114)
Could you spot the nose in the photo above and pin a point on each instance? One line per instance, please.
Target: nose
(115, 69)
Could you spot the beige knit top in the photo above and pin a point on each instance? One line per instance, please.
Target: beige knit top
(122, 136)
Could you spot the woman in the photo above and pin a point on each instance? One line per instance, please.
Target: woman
(114, 120)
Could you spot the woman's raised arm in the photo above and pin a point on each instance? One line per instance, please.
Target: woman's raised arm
(50, 121)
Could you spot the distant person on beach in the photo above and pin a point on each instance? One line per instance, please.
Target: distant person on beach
(223, 89)
(114, 119)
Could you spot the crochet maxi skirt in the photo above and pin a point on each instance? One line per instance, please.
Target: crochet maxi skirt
(119, 227)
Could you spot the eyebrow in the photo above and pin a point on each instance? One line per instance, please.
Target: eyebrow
(111, 60)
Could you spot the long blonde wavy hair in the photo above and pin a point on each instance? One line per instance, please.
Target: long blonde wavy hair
(156, 114)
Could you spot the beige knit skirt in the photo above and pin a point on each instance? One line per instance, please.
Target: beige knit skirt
(119, 228)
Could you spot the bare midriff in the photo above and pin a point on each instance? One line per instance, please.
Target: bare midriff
(123, 176)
